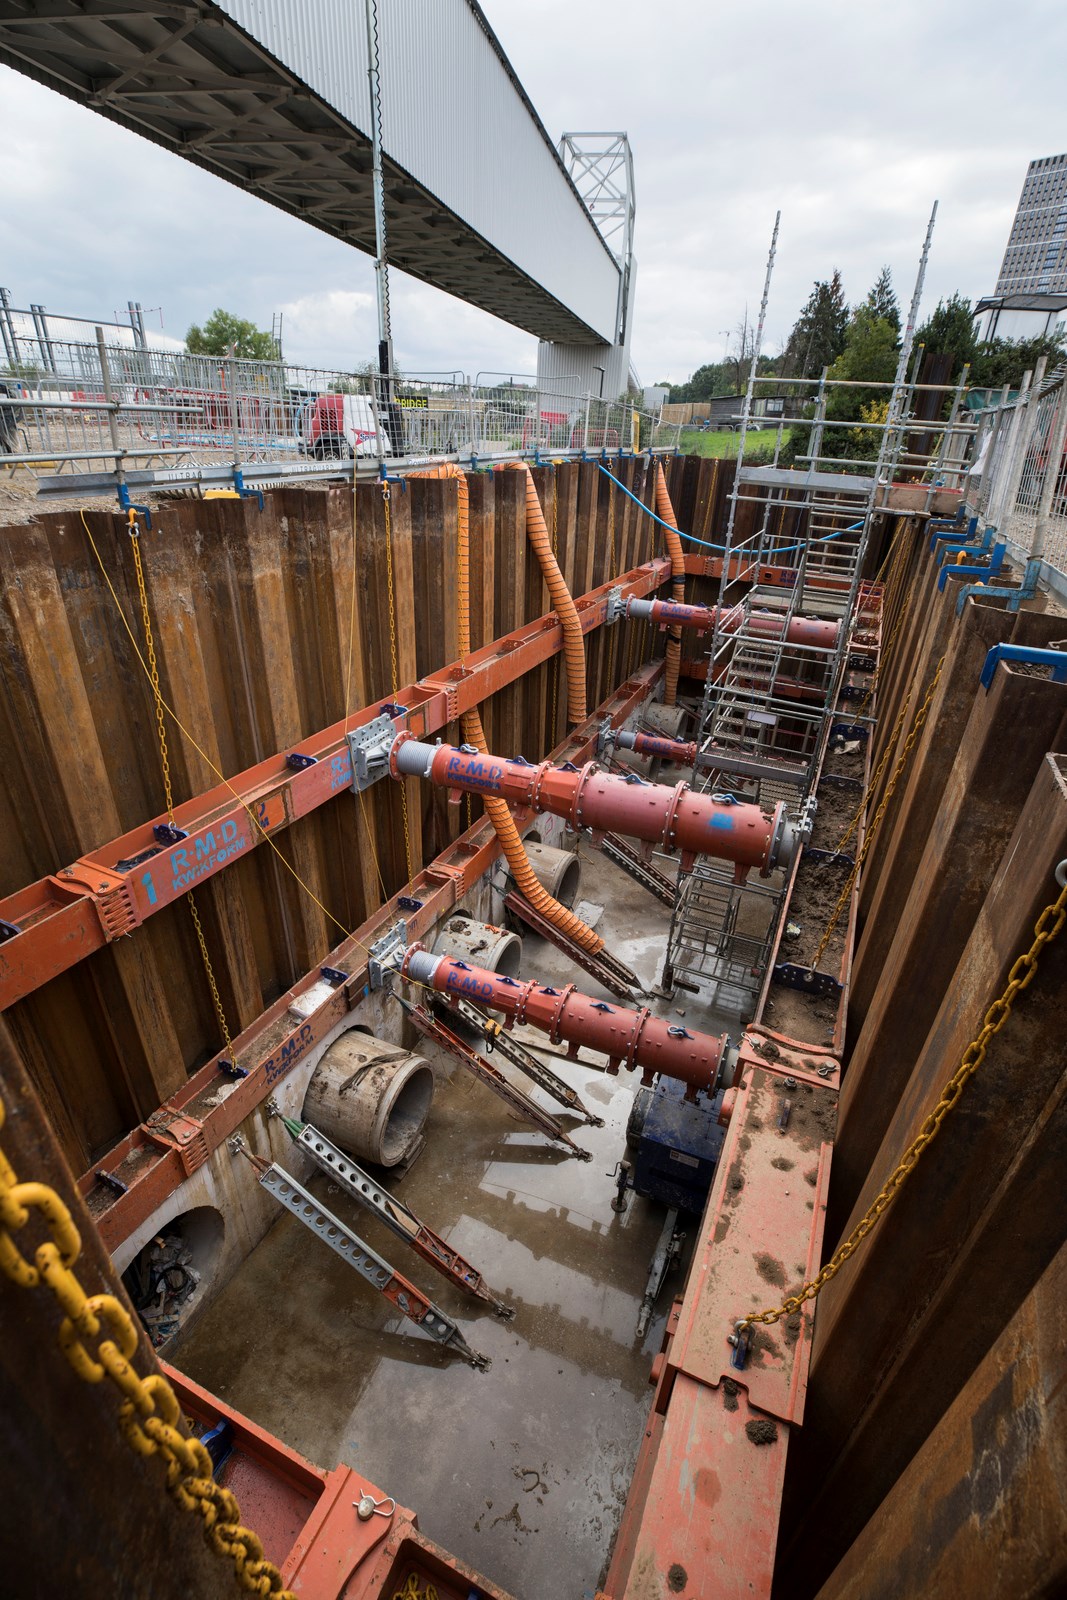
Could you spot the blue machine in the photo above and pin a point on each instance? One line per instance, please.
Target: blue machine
(675, 1143)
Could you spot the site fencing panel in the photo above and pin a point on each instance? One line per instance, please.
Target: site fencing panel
(99, 414)
(1018, 480)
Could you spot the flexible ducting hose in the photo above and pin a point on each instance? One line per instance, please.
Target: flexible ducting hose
(473, 732)
(673, 654)
(565, 609)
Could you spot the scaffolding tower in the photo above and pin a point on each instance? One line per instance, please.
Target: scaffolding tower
(768, 697)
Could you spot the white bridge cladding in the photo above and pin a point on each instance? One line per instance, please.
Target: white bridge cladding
(273, 95)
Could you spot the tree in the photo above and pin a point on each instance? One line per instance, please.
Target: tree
(818, 335)
(225, 334)
(882, 301)
(995, 362)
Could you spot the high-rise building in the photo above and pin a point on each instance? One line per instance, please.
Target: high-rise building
(1035, 261)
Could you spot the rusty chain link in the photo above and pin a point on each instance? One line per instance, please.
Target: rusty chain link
(1047, 927)
(99, 1339)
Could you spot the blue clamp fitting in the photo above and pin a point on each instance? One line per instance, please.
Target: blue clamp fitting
(568, 766)
(1056, 659)
(979, 574)
(246, 494)
(334, 975)
(129, 505)
(8, 930)
(741, 1340)
(298, 762)
(511, 983)
(407, 902)
(392, 708)
(463, 966)
(602, 1005)
(545, 989)
(677, 1031)
(230, 1069)
(112, 1182)
(385, 476)
(169, 833)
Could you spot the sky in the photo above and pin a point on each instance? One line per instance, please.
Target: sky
(849, 118)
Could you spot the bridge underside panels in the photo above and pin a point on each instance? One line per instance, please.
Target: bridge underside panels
(187, 76)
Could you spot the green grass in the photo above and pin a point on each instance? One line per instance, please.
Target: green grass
(693, 443)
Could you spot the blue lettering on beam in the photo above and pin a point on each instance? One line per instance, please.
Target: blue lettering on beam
(209, 850)
(291, 1051)
(458, 980)
(340, 772)
(474, 774)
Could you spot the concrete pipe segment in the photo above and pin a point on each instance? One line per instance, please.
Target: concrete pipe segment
(370, 1098)
(801, 630)
(493, 948)
(677, 819)
(627, 1038)
(558, 871)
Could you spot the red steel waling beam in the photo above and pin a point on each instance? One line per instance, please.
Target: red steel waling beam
(106, 893)
(178, 1138)
(678, 819)
(627, 1038)
(743, 569)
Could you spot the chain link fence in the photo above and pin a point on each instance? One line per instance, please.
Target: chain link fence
(99, 414)
(1017, 482)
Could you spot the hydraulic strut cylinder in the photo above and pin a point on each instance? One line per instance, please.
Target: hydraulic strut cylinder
(653, 744)
(628, 1038)
(677, 819)
(673, 614)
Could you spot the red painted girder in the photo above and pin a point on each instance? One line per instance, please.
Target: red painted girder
(66, 917)
(702, 1516)
(154, 1159)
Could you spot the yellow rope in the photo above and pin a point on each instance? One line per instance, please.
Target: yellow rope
(164, 758)
(183, 730)
(408, 857)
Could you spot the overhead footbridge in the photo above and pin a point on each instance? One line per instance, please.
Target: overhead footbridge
(274, 96)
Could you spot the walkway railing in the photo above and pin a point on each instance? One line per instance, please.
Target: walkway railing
(1018, 482)
(99, 416)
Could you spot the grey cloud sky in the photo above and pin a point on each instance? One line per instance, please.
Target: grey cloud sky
(852, 118)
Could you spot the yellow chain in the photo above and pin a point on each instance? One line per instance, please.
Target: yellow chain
(1021, 975)
(876, 821)
(150, 1413)
(391, 584)
(872, 787)
(164, 758)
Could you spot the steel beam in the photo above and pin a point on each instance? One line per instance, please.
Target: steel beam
(701, 1515)
(108, 892)
(155, 1158)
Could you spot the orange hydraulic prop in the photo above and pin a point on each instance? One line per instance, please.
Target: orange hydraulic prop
(474, 733)
(565, 609)
(673, 653)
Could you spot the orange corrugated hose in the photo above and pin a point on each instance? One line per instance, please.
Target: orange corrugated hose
(673, 654)
(473, 732)
(565, 609)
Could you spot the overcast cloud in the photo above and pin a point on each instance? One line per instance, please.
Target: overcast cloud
(852, 118)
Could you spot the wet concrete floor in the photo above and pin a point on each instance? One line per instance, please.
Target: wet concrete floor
(522, 1470)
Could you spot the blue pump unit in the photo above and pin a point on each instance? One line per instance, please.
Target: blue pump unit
(676, 1144)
